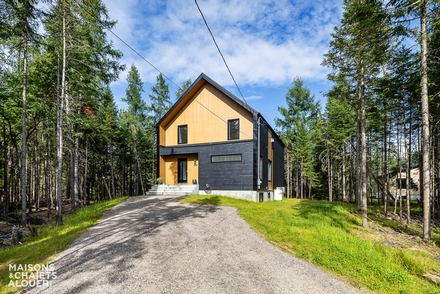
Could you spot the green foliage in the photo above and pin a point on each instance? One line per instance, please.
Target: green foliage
(183, 89)
(50, 241)
(328, 234)
(133, 94)
(160, 99)
(299, 126)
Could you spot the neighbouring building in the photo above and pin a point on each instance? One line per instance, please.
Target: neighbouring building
(398, 186)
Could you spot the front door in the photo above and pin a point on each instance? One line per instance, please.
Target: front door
(182, 170)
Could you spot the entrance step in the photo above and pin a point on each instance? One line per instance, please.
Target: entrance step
(173, 190)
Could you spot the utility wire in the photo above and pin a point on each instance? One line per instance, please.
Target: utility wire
(126, 44)
(218, 48)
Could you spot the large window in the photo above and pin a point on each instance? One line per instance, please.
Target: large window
(233, 129)
(269, 171)
(182, 134)
(226, 158)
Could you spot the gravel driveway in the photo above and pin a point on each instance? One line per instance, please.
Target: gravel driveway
(154, 244)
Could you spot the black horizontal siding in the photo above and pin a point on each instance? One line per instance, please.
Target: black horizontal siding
(220, 175)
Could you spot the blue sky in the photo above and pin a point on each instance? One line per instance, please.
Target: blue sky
(265, 43)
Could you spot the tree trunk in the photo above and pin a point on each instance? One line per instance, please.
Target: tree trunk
(75, 201)
(86, 174)
(408, 169)
(425, 121)
(330, 177)
(344, 197)
(61, 99)
(37, 177)
(363, 151)
(23, 170)
(385, 166)
(112, 171)
(6, 178)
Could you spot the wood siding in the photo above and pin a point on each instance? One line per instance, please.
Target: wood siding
(206, 115)
(170, 168)
(270, 157)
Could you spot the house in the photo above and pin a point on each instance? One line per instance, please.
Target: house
(215, 141)
(398, 186)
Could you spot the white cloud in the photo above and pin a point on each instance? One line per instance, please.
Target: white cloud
(253, 98)
(264, 42)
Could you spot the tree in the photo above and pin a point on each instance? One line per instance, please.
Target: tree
(358, 48)
(183, 89)
(420, 9)
(23, 29)
(160, 99)
(134, 121)
(298, 123)
(340, 122)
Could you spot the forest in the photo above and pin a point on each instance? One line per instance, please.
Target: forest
(63, 140)
(382, 114)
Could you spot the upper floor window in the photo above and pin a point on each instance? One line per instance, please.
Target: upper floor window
(233, 129)
(182, 134)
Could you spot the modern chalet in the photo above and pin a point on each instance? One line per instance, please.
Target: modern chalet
(211, 138)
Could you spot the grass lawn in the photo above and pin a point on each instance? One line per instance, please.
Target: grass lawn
(41, 250)
(330, 236)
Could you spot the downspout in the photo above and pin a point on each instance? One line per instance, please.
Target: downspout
(157, 154)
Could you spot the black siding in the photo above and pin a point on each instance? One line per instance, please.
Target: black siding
(278, 163)
(263, 153)
(220, 175)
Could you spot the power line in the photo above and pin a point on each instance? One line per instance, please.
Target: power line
(132, 49)
(221, 54)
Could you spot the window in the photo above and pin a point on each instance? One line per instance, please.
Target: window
(401, 183)
(182, 134)
(260, 168)
(226, 158)
(233, 129)
(269, 171)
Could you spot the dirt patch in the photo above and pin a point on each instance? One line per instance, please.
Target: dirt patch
(35, 219)
(389, 230)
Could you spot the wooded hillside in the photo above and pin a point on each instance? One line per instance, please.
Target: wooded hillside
(382, 114)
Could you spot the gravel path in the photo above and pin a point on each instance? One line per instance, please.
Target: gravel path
(157, 245)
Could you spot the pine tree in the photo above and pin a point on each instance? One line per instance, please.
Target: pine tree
(358, 48)
(297, 123)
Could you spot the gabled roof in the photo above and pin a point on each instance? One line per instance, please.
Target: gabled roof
(195, 86)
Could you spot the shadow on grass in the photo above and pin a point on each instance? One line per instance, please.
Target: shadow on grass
(211, 200)
(333, 213)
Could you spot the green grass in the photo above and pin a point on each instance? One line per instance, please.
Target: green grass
(330, 235)
(50, 241)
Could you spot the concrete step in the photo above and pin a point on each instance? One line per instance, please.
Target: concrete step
(173, 190)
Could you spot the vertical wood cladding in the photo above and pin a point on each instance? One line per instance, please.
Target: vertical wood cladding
(219, 175)
(206, 116)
